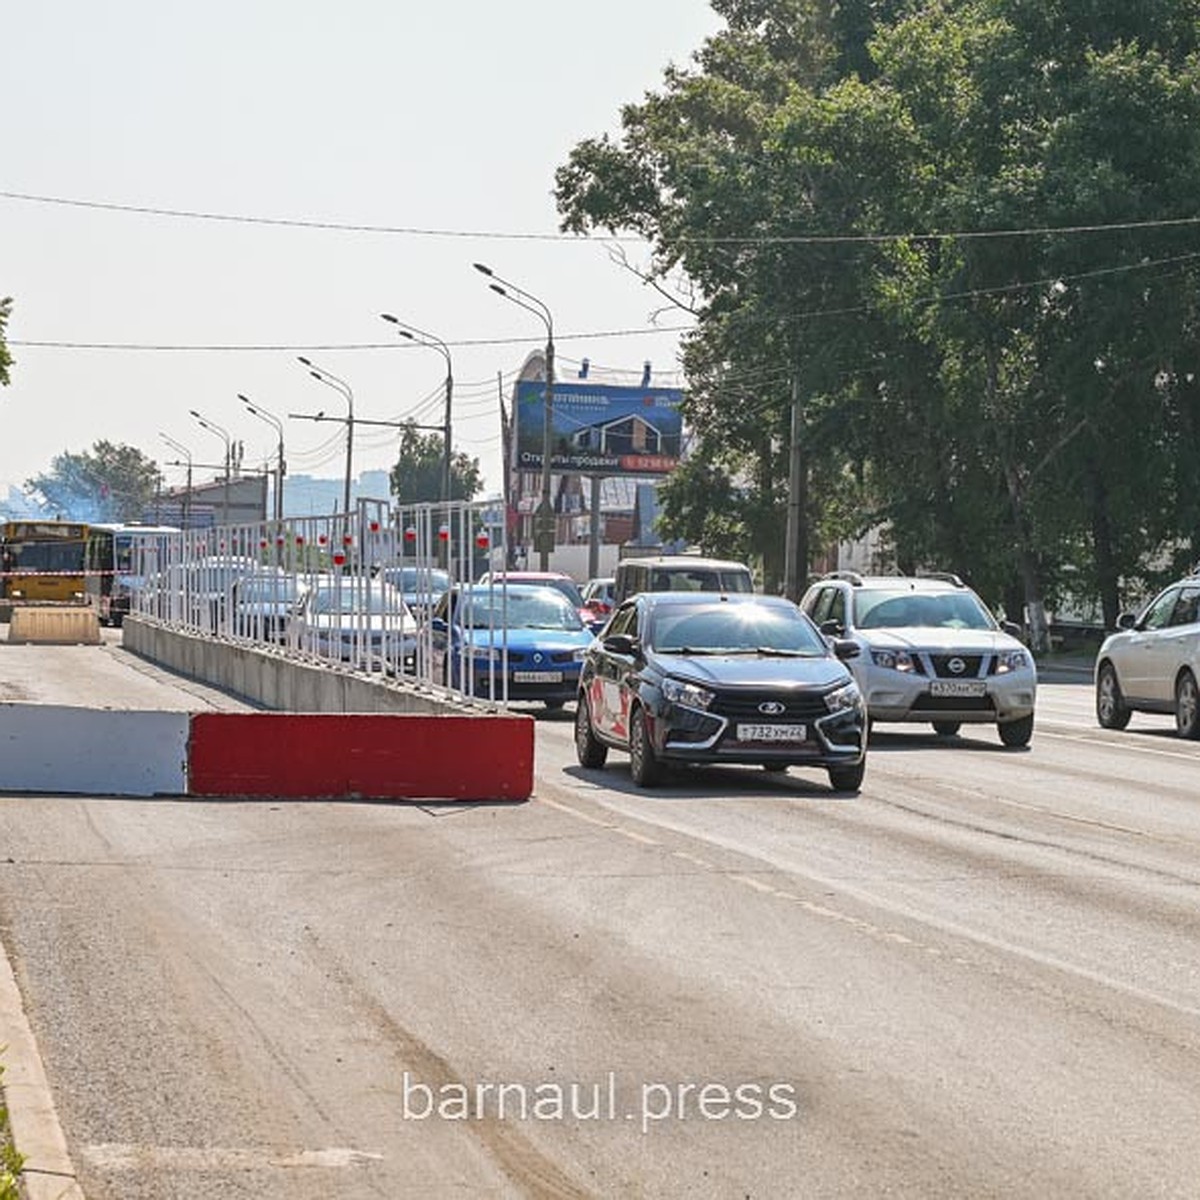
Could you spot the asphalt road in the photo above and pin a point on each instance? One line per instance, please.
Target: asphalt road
(979, 978)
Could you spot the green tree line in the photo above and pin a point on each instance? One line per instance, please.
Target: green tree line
(959, 238)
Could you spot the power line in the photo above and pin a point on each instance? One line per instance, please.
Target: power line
(814, 239)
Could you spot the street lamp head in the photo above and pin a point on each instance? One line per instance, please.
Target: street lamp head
(301, 358)
(195, 414)
(483, 269)
(389, 317)
(316, 374)
(243, 399)
(497, 289)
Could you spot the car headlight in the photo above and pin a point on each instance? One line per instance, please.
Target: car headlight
(690, 695)
(845, 697)
(580, 653)
(894, 660)
(1011, 660)
(486, 653)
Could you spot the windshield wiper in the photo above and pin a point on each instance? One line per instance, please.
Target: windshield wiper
(779, 652)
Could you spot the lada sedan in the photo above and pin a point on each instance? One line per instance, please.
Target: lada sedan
(684, 678)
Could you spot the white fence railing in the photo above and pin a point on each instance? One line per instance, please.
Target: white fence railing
(353, 590)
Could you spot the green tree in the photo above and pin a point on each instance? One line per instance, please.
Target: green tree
(110, 482)
(417, 476)
(5, 358)
(1022, 408)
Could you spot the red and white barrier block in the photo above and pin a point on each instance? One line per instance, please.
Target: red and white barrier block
(378, 756)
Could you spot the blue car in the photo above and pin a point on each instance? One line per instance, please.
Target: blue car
(524, 638)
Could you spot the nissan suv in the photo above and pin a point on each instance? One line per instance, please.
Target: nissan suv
(931, 652)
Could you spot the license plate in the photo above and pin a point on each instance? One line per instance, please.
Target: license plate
(772, 733)
(537, 677)
(957, 687)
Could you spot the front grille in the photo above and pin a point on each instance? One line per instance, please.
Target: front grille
(936, 704)
(969, 671)
(797, 706)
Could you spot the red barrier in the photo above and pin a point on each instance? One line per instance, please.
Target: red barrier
(381, 756)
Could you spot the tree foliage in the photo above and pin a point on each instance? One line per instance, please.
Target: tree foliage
(961, 234)
(5, 358)
(417, 476)
(110, 482)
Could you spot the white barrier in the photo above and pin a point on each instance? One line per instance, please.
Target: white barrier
(78, 751)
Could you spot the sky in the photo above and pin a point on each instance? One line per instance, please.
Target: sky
(447, 118)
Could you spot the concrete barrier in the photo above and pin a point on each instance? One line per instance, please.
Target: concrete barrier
(92, 752)
(365, 756)
(58, 625)
(272, 679)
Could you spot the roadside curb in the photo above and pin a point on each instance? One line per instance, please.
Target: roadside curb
(48, 1173)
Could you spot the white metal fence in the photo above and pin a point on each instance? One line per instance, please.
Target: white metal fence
(352, 590)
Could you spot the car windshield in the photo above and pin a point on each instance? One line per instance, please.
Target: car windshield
(351, 599)
(535, 608)
(904, 609)
(418, 579)
(255, 591)
(566, 586)
(734, 629)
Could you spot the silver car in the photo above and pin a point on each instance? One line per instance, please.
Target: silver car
(931, 652)
(1152, 662)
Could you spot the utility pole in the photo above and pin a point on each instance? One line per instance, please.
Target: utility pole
(795, 568)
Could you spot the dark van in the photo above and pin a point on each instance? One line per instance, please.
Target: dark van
(679, 573)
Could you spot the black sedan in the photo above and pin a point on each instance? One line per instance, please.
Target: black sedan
(706, 678)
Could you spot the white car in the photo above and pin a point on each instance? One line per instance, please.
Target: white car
(930, 652)
(1152, 663)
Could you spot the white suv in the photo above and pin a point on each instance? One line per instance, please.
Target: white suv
(931, 652)
(1152, 662)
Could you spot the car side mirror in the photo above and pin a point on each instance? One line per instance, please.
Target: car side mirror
(620, 643)
(1127, 621)
(438, 625)
(845, 648)
(832, 628)
(1012, 629)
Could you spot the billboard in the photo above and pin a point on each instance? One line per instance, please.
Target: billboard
(599, 429)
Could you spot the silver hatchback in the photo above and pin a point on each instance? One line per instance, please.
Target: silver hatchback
(931, 652)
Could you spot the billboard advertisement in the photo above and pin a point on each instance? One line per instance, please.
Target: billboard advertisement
(599, 429)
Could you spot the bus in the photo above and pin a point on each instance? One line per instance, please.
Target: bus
(43, 561)
(120, 558)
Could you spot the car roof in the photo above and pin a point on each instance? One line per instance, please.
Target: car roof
(684, 561)
(529, 576)
(913, 583)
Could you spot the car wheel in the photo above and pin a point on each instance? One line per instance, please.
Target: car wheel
(946, 728)
(589, 751)
(1111, 710)
(1187, 706)
(553, 705)
(775, 768)
(847, 779)
(643, 763)
(1017, 733)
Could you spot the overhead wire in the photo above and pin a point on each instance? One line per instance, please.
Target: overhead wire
(758, 239)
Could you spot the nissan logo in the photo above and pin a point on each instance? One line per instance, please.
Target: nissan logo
(956, 666)
(772, 708)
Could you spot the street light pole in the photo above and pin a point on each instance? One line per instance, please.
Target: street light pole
(413, 334)
(281, 469)
(339, 385)
(545, 525)
(179, 448)
(223, 434)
